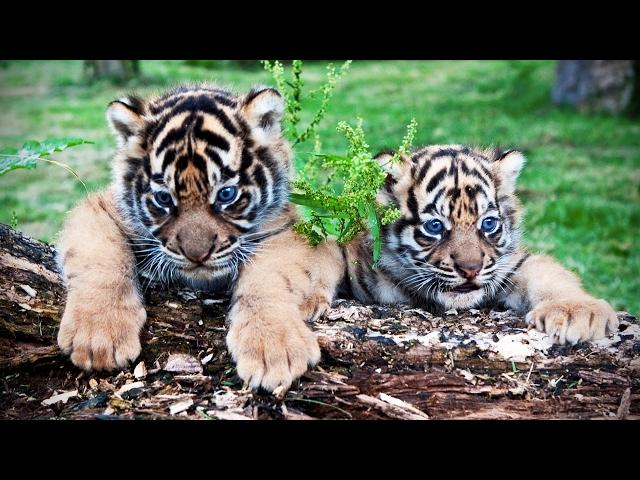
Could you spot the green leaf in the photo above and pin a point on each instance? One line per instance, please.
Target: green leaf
(59, 144)
(10, 159)
(306, 201)
(374, 225)
(32, 150)
(334, 158)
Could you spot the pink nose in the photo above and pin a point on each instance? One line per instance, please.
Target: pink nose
(197, 255)
(468, 270)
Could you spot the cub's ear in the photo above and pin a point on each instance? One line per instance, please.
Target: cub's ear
(263, 108)
(126, 117)
(394, 168)
(506, 168)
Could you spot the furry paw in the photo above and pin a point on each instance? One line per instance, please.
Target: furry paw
(574, 321)
(272, 354)
(101, 338)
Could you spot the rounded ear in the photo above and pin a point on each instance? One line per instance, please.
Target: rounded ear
(506, 168)
(263, 108)
(126, 117)
(394, 168)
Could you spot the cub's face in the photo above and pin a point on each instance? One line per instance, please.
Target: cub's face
(198, 173)
(459, 223)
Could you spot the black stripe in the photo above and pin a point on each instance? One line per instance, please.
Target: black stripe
(169, 157)
(172, 136)
(213, 139)
(436, 179)
(444, 152)
(257, 91)
(412, 204)
(228, 101)
(472, 172)
(486, 171)
(166, 103)
(261, 180)
(200, 163)
(264, 155)
(158, 178)
(226, 173)
(423, 170)
(195, 104)
(246, 159)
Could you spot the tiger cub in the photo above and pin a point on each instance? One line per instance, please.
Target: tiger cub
(457, 246)
(200, 181)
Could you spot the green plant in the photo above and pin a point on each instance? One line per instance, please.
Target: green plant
(31, 151)
(14, 220)
(340, 191)
(293, 94)
(337, 192)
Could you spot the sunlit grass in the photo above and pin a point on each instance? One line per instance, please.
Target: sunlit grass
(581, 186)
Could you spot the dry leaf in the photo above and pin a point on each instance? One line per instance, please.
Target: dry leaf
(61, 397)
(180, 406)
(140, 371)
(183, 363)
(30, 291)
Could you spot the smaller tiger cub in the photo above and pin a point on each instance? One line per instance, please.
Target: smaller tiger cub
(457, 246)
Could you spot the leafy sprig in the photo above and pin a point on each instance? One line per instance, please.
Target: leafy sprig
(340, 192)
(32, 151)
(293, 93)
(337, 193)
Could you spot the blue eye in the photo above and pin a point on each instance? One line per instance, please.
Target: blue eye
(489, 224)
(227, 194)
(163, 199)
(434, 226)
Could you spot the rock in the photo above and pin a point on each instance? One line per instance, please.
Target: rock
(98, 401)
(133, 393)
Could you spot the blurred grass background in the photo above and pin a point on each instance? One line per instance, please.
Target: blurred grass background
(581, 186)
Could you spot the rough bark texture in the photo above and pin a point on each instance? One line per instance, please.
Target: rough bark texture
(596, 85)
(118, 70)
(377, 362)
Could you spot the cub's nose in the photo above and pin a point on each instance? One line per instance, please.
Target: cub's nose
(468, 270)
(197, 252)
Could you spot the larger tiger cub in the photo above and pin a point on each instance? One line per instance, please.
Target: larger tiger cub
(457, 246)
(200, 180)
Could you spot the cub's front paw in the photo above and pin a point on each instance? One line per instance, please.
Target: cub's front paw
(101, 338)
(273, 353)
(574, 321)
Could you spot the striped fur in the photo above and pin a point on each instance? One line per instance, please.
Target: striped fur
(164, 217)
(190, 143)
(460, 187)
(465, 191)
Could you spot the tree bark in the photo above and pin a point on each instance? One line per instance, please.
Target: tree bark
(378, 362)
(596, 85)
(116, 70)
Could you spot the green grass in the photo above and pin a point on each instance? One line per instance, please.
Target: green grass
(581, 187)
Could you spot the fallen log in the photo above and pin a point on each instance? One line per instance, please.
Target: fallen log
(378, 362)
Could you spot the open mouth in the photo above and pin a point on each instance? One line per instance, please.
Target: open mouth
(466, 288)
